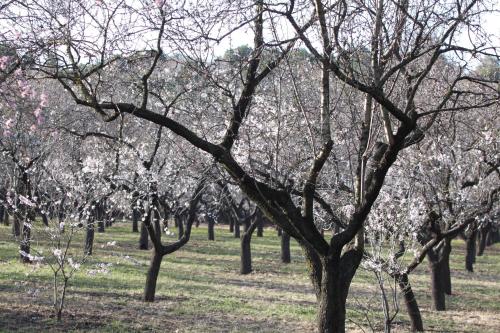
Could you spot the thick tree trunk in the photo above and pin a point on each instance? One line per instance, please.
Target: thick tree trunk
(332, 299)
(411, 304)
(437, 285)
(285, 248)
(144, 237)
(89, 237)
(470, 252)
(211, 224)
(135, 219)
(152, 277)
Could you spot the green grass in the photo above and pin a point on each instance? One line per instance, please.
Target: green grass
(200, 290)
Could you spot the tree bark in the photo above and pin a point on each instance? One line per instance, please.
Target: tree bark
(482, 236)
(411, 304)
(135, 219)
(237, 228)
(246, 252)
(25, 246)
(285, 248)
(445, 267)
(211, 224)
(152, 277)
(180, 226)
(470, 251)
(332, 302)
(16, 226)
(231, 225)
(5, 218)
(144, 237)
(260, 226)
(89, 237)
(437, 285)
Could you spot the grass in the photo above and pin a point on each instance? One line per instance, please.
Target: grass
(200, 290)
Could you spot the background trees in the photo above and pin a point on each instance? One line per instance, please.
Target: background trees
(309, 137)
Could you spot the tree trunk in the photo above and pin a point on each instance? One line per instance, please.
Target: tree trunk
(278, 229)
(135, 219)
(144, 237)
(470, 255)
(89, 237)
(411, 304)
(211, 224)
(16, 226)
(231, 225)
(260, 227)
(25, 246)
(2, 214)
(285, 248)
(180, 227)
(45, 219)
(5, 218)
(332, 299)
(152, 277)
(246, 253)
(445, 267)
(236, 228)
(483, 235)
(437, 285)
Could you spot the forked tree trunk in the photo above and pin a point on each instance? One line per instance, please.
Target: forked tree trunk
(144, 237)
(285, 248)
(152, 277)
(411, 304)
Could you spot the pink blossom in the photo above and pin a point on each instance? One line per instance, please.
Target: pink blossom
(3, 62)
(43, 100)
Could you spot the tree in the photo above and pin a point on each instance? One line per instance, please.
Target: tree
(391, 67)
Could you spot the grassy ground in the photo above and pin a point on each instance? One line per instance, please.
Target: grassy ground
(200, 290)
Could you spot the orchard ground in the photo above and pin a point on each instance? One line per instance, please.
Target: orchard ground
(200, 290)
